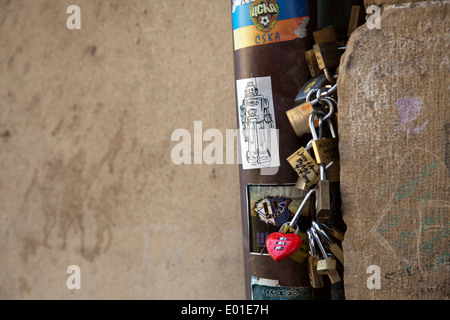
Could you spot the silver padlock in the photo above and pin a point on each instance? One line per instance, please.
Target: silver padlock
(315, 279)
(327, 265)
(330, 244)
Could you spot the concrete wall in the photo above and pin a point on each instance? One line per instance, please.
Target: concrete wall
(86, 175)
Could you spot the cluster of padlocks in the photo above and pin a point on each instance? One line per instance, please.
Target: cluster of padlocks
(317, 165)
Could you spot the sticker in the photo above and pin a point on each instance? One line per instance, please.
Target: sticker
(258, 133)
(269, 207)
(267, 289)
(258, 22)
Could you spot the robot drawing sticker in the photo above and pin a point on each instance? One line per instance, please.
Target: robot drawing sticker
(259, 140)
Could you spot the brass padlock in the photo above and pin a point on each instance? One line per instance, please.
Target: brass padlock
(356, 19)
(311, 62)
(326, 34)
(305, 166)
(315, 279)
(324, 266)
(334, 277)
(327, 55)
(326, 149)
(301, 254)
(299, 118)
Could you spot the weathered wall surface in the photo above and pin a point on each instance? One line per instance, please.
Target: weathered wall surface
(394, 124)
(86, 176)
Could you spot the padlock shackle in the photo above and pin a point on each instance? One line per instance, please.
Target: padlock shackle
(313, 114)
(329, 76)
(301, 207)
(330, 91)
(309, 145)
(312, 246)
(317, 113)
(323, 176)
(331, 107)
(297, 229)
(316, 237)
(322, 234)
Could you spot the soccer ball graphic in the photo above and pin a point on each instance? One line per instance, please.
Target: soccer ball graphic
(265, 21)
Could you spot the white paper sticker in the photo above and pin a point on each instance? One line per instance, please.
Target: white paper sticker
(258, 133)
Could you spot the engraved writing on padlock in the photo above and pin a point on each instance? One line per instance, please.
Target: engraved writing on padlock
(305, 166)
(326, 150)
(299, 118)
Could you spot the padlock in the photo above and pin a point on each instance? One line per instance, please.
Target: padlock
(337, 234)
(356, 19)
(333, 275)
(311, 62)
(327, 55)
(315, 279)
(323, 196)
(326, 34)
(301, 184)
(292, 227)
(327, 265)
(302, 253)
(313, 83)
(330, 244)
(300, 210)
(326, 149)
(324, 266)
(282, 246)
(299, 118)
(332, 172)
(305, 166)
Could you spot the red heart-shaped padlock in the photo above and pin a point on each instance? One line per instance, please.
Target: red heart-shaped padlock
(281, 246)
